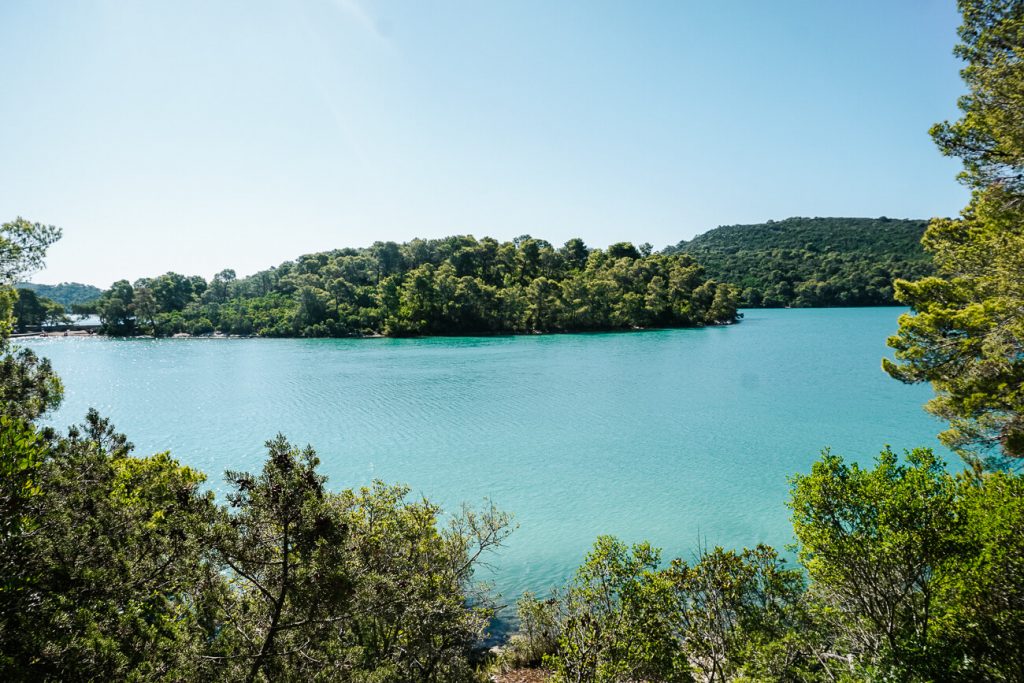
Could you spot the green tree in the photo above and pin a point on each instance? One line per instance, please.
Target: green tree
(28, 385)
(116, 308)
(967, 329)
(105, 578)
(876, 544)
(418, 612)
(23, 247)
(740, 613)
(284, 548)
(30, 310)
(617, 623)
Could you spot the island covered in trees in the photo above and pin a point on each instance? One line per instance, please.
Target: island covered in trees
(813, 262)
(462, 285)
(452, 286)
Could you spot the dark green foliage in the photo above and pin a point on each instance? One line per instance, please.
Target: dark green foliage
(967, 328)
(805, 262)
(914, 572)
(67, 294)
(32, 310)
(726, 616)
(117, 308)
(23, 246)
(116, 567)
(453, 286)
(910, 573)
(102, 579)
(284, 545)
(28, 385)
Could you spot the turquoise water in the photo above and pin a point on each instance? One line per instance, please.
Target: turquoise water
(675, 436)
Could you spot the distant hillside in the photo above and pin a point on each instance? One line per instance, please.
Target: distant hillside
(813, 261)
(66, 293)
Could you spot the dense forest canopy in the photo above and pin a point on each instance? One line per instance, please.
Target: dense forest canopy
(966, 334)
(461, 285)
(33, 310)
(67, 294)
(451, 286)
(813, 261)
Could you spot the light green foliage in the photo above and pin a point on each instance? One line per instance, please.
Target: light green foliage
(417, 612)
(909, 573)
(985, 597)
(617, 621)
(813, 261)
(106, 564)
(23, 246)
(728, 616)
(739, 614)
(914, 572)
(21, 452)
(536, 637)
(456, 285)
(990, 135)
(967, 330)
(874, 543)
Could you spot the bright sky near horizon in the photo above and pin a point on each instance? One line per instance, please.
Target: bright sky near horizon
(195, 136)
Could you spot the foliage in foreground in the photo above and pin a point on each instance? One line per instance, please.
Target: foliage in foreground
(967, 331)
(452, 286)
(33, 310)
(908, 573)
(116, 567)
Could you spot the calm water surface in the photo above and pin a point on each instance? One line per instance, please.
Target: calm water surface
(673, 436)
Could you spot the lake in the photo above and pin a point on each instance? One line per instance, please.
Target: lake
(675, 436)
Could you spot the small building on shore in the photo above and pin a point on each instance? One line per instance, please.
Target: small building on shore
(88, 324)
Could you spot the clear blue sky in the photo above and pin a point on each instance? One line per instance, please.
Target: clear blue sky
(197, 135)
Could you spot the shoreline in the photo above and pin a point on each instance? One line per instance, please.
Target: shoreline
(220, 335)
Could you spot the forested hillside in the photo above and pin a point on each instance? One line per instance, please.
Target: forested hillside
(31, 310)
(67, 294)
(813, 261)
(451, 286)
